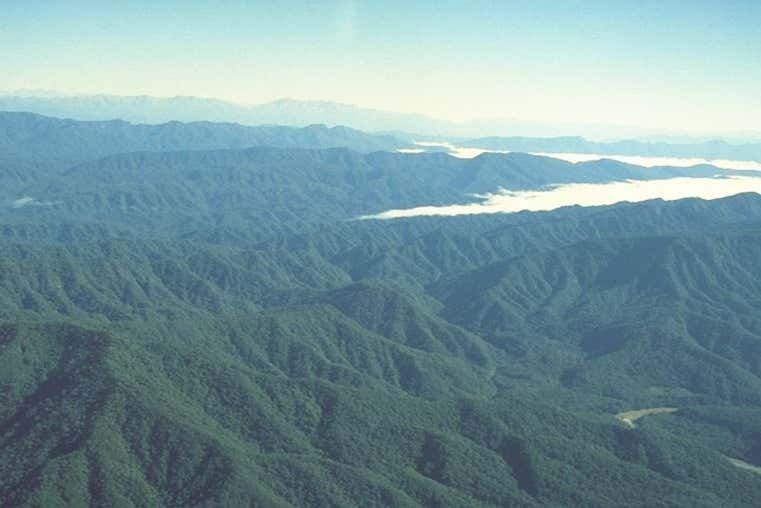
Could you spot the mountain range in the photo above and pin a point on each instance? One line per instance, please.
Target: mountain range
(251, 193)
(192, 315)
(301, 113)
(31, 136)
(714, 149)
(147, 109)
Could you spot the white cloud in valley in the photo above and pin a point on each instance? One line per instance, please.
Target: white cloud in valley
(651, 162)
(587, 194)
(637, 160)
(30, 201)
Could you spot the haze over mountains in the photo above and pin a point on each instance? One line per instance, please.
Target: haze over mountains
(134, 161)
(301, 113)
(27, 135)
(406, 128)
(146, 109)
(716, 149)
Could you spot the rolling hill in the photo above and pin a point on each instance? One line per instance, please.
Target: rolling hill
(210, 327)
(32, 136)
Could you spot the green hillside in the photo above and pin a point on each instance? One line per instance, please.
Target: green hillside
(213, 328)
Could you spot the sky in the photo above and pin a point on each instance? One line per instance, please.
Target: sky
(681, 66)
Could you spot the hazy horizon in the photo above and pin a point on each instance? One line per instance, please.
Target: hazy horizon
(500, 126)
(656, 66)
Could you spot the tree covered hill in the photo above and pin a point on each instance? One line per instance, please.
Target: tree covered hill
(183, 426)
(214, 328)
(258, 193)
(34, 136)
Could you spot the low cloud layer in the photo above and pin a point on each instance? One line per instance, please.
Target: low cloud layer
(650, 162)
(638, 160)
(586, 194)
(29, 201)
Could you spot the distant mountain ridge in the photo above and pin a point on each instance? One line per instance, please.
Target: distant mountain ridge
(714, 149)
(152, 110)
(300, 113)
(28, 134)
(490, 134)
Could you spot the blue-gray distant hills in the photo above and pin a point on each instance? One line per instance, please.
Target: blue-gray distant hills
(291, 112)
(493, 134)
(146, 109)
(715, 149)
(36, 136)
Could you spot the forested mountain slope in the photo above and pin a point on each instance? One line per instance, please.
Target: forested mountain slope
(256, 194)
(41, 137)
(215, 328)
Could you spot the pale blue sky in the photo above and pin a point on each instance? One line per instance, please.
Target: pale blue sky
(675, 65)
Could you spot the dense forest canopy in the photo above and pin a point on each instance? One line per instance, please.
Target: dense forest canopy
(192, 314)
